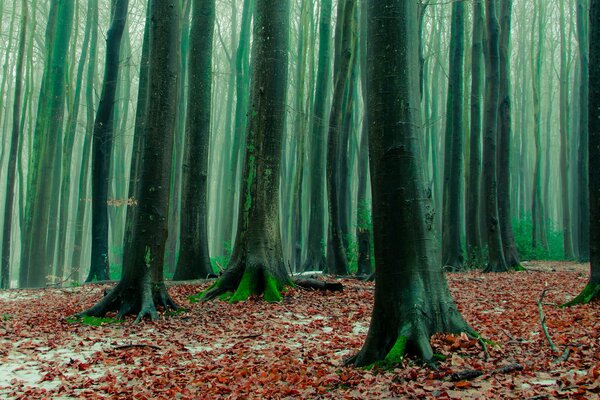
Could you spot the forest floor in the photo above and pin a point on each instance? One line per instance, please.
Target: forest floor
(296, 349)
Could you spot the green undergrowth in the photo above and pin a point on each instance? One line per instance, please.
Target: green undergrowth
(94, 321)
(522, 230)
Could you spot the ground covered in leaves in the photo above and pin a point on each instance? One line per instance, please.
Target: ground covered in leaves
(296, 349)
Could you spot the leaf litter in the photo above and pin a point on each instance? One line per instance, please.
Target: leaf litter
(297, 348)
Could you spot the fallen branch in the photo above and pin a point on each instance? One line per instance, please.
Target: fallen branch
(543, 320)
(469, 374)
(128, 346)
(319, 285)
(564, 356)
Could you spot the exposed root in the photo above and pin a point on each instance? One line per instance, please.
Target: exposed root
(590, 293)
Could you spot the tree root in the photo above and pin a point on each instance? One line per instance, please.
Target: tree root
(318, 285)
(590, 293)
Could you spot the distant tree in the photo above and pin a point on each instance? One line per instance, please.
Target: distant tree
(102, 144)
(141, 289)
(409, 310)
(592, 290)
(256, 265)
(504, 140)
(315, 257)
(14, 146)
(194, 261)
(473, 187)
(496, 261)
(452, 250)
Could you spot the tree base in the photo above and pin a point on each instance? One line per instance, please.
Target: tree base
(141, 298)
(239, 282)
(589, 294)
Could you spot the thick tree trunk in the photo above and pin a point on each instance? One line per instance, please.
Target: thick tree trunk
(452, 251)
(592, 290)
(407, 311)
(496, 260)
(315, 257)
(102, 145)
(6, 248)
(504, 138)
(141, 289)
(194, 261)
(473, 189)
(256, 265)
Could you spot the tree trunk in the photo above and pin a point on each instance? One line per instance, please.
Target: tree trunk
(256, 265)
(504, 137)
(102, 145)
(194, 261)
(473, 236)
(496, 260)
(452, 251)
(141, 288)
(315, 257)
(12, 157)
(407, 311)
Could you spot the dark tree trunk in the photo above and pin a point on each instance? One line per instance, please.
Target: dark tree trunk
(473, 189)
(583, 196)
(194, 261)
(141, 289)
(496, 261)
(452, 251)
(407, 311)
(592, 290)
(12, 156)
(337, 262)
(504, 138)
(102, 145)
(315, 258)
(257, 265)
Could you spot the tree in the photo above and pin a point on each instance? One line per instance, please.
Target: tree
(5, 250)
(141, 289)
(407, 311)
(504, 140)
(452, 251)
(256, 265)
(337, 262)
(496, 261)
(194, 261)
(102, 144)
(315, 258)
(473, 188)
(592, 289)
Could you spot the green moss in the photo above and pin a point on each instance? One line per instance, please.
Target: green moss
(439, 357)
(226, 296)
(589, 293)
(272, 292)
(519, 268)
(396, 354)
(93, 321)
(245, 288)
(195, 298)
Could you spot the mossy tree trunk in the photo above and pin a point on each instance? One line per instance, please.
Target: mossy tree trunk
(315, 258)
(407, 311)
(194, 261)
(257, 265)
(504, 140)
(592, 290)
(102, 144)
(496, 260)
(141, 289)
(452, 250)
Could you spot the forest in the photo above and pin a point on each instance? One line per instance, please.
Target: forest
(299, 198)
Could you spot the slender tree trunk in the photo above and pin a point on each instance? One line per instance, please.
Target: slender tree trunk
(102, 145)
(315, 258)
(504, 138)
(452, 251)
(473, 238)
(407, 311)
(496, 260)
(194, 261)
(12, 157)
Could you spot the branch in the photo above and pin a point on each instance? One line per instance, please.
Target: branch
(543, 320)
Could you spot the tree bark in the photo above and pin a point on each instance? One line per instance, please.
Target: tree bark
(194, 261)
(407, 311)
(256, 265)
